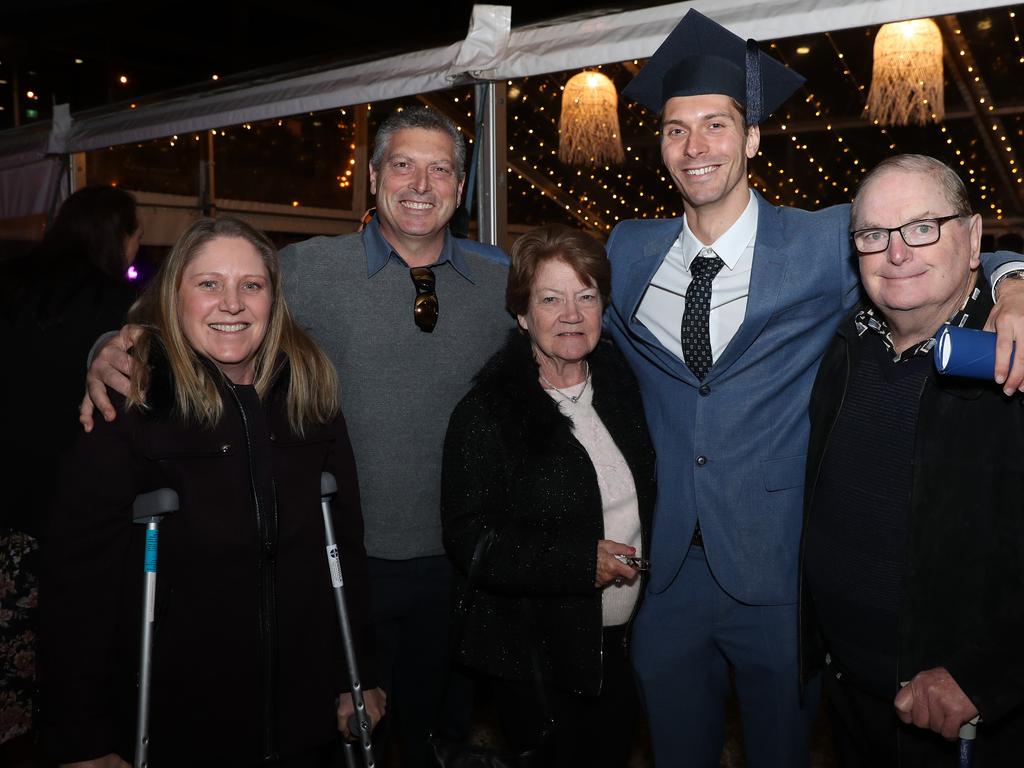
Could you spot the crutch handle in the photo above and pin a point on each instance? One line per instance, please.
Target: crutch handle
(969, 730)
(353, 723)
(156, 503)
(328, 485)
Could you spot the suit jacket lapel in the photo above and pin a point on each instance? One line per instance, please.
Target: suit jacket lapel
(648, 262)
(767, 275)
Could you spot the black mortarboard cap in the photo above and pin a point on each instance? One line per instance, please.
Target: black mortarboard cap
(701, 56)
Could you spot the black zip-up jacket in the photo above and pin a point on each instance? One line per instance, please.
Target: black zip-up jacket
(247, 657)
(522, 515)
(963, 595)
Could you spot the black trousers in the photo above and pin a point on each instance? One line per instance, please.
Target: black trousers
(588, 730)
(411, 608)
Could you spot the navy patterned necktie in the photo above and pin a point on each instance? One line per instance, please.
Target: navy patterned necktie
(695, 331)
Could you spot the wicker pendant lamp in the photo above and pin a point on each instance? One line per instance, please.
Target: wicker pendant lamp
(589, 125)
(906, 77)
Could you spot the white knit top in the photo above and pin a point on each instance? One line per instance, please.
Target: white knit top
(618, 492)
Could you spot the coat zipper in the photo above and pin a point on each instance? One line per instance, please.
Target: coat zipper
(807, 518)
(267, 613)
(578, 446)
(906, 559)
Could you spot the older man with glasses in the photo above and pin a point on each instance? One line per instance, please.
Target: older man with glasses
(912, 557)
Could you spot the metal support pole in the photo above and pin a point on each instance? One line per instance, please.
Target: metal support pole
(360, 171)
(492, 197)
(208, 178)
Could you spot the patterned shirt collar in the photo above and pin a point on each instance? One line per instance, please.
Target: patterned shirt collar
(870, 319)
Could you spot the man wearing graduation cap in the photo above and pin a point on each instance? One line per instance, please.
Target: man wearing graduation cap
(724, 316)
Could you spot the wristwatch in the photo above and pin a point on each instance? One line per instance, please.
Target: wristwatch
(1013, 274)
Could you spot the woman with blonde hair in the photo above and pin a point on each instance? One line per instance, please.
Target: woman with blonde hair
(235, 408)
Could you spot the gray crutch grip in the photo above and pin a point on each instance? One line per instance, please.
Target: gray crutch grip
(156, 503)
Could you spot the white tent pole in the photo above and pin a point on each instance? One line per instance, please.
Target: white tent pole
(492, 198)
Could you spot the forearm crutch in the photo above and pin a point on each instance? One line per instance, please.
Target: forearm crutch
(968, 731)
(148, 510)
(361, 718)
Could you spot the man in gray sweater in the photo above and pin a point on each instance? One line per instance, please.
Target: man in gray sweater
(408, 314)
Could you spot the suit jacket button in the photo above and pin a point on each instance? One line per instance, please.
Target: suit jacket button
(702, 460)
(704, 390)
(225, 448)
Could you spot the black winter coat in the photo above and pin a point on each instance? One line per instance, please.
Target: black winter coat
(522, 515)
(247, 657)
(963, 594)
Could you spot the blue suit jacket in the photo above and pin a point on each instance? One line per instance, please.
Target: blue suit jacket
(750, 420)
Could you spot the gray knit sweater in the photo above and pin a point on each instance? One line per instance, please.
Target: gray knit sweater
(398, 384)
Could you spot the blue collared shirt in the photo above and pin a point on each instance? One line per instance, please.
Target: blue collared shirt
(379, 251)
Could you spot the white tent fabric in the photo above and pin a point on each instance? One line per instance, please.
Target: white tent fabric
(564, 44)
(29, 184)
(389, 78)
(571, 44)
(30, 174)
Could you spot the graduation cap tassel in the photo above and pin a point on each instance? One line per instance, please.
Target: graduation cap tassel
(589, 126)
(906, 77)
(755, 102)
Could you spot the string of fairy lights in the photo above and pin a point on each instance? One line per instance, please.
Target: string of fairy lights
(819, 166)
(844, 156)
(597, 196)
(813, 152)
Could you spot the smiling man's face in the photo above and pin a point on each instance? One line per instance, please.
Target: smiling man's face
(417, 186)
(705, 147)
(930, 280)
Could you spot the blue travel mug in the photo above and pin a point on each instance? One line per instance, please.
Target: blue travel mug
(965, 352)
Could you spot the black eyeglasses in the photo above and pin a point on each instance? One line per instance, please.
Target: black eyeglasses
(914, 234)
(424, 306)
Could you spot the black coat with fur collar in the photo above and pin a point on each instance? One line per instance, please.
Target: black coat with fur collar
(522, 515)
(962, 603)
(247, 658)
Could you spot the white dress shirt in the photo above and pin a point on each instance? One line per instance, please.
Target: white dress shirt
(661, 308)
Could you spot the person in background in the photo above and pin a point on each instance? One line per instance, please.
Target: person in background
(54, 301)
(546, 494)
(913, 544)
(235, 408)
(407, 314)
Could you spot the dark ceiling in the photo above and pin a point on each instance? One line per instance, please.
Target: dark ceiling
(814, 149)
(76, 52)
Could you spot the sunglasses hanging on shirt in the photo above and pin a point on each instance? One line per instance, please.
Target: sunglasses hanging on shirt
(424, 307)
